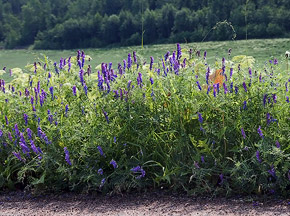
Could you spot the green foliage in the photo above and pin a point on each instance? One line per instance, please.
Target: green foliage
(182, 136)
(99, 23)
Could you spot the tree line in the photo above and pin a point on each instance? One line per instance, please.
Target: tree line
(67, 24)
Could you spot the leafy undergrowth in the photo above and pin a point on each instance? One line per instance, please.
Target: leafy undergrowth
(177, 123)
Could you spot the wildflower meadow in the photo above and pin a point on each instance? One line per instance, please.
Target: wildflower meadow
(175, 122)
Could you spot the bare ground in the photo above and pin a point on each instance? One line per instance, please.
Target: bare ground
(153, 203)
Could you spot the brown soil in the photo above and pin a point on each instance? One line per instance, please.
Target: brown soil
(154, 203)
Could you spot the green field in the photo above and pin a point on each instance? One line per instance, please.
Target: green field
(261, 50)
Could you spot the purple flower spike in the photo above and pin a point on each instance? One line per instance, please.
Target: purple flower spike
(245, 86)
(178, 51)
(278, 144)
(225, 88)
(74, 89)
(100, 171)
(106, 116)
(25, 116)
(151, 62)
(139, 169)
(67, 155)
(258, 156)
(272, 171)
(129, 61)
(51, 92)
(200, 119)
(114, 164)
(103, 182)
(6, 120)
(243, 133)
(151, 80)
(17, 155)
(101, 151)
(260, 132)
(236, 90)
(198, 85)
(202, 159)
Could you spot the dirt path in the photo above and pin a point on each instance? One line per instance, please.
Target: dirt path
(136, 204)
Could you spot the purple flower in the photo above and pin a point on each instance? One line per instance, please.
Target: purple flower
(103, 182)
(231, 72)
(202, 159)
(272, 171)
(101, 150)
(225, 88)
(250, 72)
(114, 164)
(33, 147)
(265, 99)
(208, 89)
(106, 116)
(258, 156)
(29, 133)
(129, 61)
(24, 148)
(67, 155)
(214, 90)
(151, 80)
(139, 169)
(6, 119)
(135, 57)
(178, 51)
(166, 56)
(129, 84)
(66, 109)
(243, 133)
(207, 75)
(74, 89)
(200, 118)
(278, 144)
(100, 171)
(51, 92)
(86, 89)
(10, 137)
(260, 132)
(221, 176)
(32, 100)
(245, 105)
(25, 119)
(125, 63)
(204, 55)
(16, 129)
(268, 117)
(1, 133)
(81, 75)
(17, 155)
(274, 96)
(275, 61)
(287, 99)
(198, 85)
(245, 86)
(151, 62)
(139, 79)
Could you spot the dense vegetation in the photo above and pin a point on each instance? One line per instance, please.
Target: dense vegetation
(179, 123)
(64, 24)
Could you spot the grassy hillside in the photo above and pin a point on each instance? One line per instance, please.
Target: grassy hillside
(261, 50)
